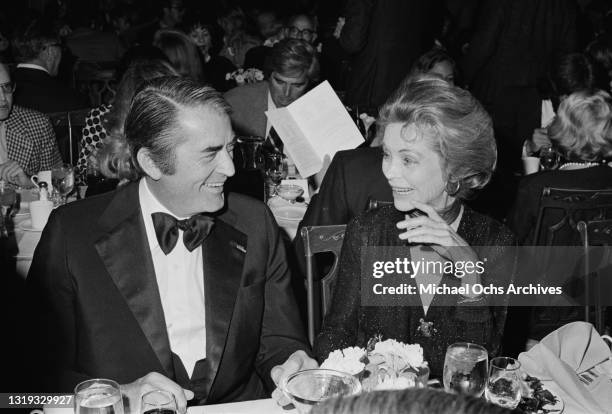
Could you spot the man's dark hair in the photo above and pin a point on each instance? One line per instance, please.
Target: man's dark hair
(32, 40)
(151, 121)
(293, 56)
(573, 72)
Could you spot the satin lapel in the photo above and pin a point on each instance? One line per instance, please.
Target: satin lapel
(224, 253)
(125, 253)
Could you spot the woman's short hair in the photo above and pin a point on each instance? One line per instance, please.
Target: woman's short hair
(410, 401)
(181, 51)
(582, 129)
(454, 124)
(291, 57)
(152, 120)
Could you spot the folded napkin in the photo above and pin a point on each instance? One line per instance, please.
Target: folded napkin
(563, 356)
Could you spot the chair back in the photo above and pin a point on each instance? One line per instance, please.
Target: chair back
(319, 239)
(68, 128)
(596, 233)
(95, 79)
(561, 209)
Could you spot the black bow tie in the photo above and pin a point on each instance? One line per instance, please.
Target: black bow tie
(195, 230)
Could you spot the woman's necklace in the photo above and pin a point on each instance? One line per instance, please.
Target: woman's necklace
(578, 165)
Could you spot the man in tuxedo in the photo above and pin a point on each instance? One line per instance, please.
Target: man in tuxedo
(166, 283)
(38, 88)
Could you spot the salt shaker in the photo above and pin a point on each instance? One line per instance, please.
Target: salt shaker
(44, 192)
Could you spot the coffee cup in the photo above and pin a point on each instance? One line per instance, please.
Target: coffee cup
(39, 212)
(531, 165)
(40, 177)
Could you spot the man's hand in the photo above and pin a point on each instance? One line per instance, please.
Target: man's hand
(298, 361)
(12, 172)
(154, 381)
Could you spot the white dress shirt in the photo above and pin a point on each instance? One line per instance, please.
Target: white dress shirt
(32, 66)
(180, 279)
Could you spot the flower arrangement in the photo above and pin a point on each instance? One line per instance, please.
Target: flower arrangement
(383, 365)
(242, 76)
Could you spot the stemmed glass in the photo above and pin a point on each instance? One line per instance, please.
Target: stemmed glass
(549, 158)
(465, 369)
(504, 383)
(158, 402)
(63, 180)
(275, 171)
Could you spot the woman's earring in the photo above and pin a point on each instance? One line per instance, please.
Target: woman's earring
(453, 187)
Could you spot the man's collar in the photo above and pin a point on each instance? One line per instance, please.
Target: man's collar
(32, 66)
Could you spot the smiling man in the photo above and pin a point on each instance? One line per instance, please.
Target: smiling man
(294, 69)
(166, 283)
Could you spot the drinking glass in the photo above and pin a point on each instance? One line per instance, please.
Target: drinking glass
(251, 148)
(549, 158)
(275, 171)
(63, 180)
(9, 203)
(98, 396)
(465, 369)
(504, 383)
(158, 402)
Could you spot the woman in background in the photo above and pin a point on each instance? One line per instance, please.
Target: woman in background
(181, 51)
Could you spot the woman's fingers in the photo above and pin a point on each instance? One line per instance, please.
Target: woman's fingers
(429, 210)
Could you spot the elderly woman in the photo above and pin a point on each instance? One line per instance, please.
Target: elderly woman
(438, 148)
(582, 134)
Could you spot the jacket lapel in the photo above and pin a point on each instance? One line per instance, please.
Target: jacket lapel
(224, 253)
(124, 249)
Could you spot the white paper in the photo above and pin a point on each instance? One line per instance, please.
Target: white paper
(315, 125)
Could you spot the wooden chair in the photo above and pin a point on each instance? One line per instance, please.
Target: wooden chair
(68, 127)
(318, 239)
(596, 233)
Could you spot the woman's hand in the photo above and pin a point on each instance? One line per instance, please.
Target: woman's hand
(432, 229)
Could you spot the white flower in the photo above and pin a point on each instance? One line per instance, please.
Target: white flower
(228, 76)
(345, 360)
(239, 79)
(411, 355)
(259, 76)
(389, 382)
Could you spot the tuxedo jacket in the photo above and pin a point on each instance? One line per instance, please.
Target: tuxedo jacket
(93, 282)
(249, 103)
(40, 91)
(30, 141)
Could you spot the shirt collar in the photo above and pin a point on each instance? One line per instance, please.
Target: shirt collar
(32, 66)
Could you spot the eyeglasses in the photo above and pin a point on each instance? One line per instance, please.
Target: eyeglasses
(295, 32)
(8, 87)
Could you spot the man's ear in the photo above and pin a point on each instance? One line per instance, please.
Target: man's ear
(147, 164)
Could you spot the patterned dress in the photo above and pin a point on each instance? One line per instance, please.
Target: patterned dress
(94, 137)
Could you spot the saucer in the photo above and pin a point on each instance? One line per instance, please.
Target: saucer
(26, 225)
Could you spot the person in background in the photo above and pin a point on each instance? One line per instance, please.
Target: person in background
(600, 52)
(436, 62)
(27, 140)
(104, 120)
(181, 51)
(167, 283)
(410, 401)
(39, 53)
(438, 149)
(236, 40)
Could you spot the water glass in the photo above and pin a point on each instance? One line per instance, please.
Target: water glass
(465, 369)
(549, 158)
(63, 180)
(98, 396)
(251, 149)
(158, 402)
(504, 383)
(275, 171)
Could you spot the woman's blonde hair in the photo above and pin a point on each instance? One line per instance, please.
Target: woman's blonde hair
(582, 129)
(181, 51)
(455, 125)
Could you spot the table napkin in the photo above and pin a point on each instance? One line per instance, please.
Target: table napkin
(572, 350)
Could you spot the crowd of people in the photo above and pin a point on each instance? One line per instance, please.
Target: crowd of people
(161, 278)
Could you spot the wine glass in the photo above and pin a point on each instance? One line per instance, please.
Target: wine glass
(549, 158)
(465, 369)
(275, 171)
(63, 180)
(504, 383)
(98, 396)
(158, 402)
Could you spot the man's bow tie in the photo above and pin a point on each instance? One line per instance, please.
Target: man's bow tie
(195, 230)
